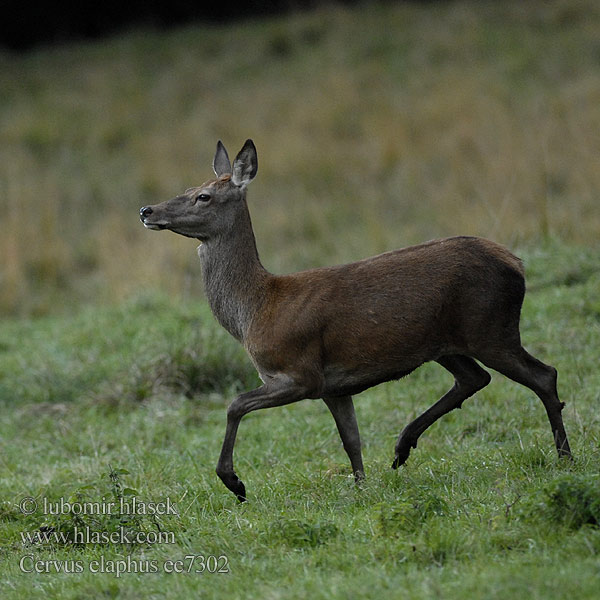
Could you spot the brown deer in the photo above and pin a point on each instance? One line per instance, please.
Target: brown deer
(333, 332)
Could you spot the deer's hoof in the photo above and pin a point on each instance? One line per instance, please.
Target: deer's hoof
(398, 462)
(234, 484)
(240, 493)
(400, 459)
(238, 488)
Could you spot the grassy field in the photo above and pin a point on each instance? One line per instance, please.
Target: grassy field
(376, 127)
(130, 401)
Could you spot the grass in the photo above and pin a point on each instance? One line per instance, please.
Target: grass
(129, 401)
(377, 126)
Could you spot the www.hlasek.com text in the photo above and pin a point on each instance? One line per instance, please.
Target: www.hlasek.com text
(86, 535)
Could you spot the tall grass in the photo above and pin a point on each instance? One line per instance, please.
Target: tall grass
(376, 127)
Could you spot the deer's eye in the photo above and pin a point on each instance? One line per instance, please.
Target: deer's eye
(202, 198)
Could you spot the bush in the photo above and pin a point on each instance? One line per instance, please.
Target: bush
(571, 500)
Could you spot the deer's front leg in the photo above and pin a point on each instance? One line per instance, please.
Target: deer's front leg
(342, 409)
(278, 391)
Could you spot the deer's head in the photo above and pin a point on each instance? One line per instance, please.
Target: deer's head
(211, 209)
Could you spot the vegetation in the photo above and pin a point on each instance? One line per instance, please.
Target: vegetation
(130, 402)
(376, 127)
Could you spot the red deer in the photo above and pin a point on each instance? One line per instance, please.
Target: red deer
(333, 332)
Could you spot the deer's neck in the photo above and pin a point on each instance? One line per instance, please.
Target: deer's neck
(234, 278)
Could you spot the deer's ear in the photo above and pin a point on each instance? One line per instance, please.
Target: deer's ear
(245, 165)
(221, 164)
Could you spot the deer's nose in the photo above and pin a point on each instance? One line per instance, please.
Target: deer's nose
(145, 211)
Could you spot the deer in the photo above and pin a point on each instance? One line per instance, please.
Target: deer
(332, 332)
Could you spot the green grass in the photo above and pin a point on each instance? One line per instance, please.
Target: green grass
(130, 401)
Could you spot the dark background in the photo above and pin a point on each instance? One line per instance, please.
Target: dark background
(25, 25)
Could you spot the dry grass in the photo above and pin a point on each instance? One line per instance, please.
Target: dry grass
(376, 127)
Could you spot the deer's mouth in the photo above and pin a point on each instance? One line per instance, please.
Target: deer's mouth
(154, 226)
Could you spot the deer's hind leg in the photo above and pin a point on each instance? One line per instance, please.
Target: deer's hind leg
(527, 370)
(469, 377)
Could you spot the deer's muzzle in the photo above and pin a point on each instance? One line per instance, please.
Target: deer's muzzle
(145, 213)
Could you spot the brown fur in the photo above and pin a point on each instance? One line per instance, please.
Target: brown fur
(335, 331)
